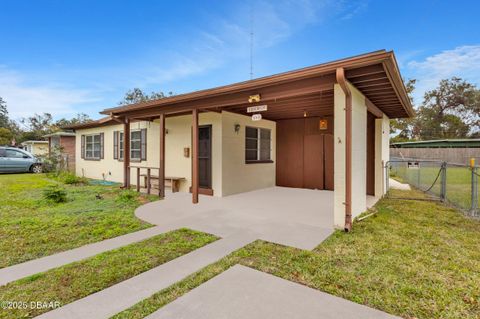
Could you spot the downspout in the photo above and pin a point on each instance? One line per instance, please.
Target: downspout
(348, 147)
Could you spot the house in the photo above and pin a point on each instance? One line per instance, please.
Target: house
(323, 127)
(64, 144)
(456, 151)
(37, 148)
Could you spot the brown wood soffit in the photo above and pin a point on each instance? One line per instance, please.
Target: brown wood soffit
(375, 74)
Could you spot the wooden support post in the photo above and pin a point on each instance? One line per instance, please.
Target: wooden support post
(126, 153)
(138, 179)
(161, 166)
(149, 182)
(195, 156)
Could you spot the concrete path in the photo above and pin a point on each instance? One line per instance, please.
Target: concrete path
(300, 218)
(35, 266)
(110, 301)
(392, 183)
(242, 292)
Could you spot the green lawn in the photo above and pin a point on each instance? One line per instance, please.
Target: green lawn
(32, 227)
(414, 259)
(80, 279)
(458, 181)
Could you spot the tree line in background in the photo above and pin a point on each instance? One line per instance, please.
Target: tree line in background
(39, 125)
(452, 110)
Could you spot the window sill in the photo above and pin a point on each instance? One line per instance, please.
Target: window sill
(92, 159)
(259, 162)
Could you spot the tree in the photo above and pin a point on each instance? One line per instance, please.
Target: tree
(137, 95)
(4, 120)
(80, 118)
(6, 136)
(404, 127)
(452, 110)
(37, 126)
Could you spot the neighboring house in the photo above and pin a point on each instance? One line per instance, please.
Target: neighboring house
(323, 127)
(65, 142)
(458, 151)
(36, 148)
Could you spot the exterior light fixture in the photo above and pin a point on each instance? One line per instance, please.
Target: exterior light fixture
(304, 113)
(236, 127)
(254, 98)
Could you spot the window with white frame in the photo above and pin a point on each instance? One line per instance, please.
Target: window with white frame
(93, 146)
(135, 145)
(258, 145)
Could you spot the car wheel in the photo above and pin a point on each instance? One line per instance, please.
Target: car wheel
(37, 169)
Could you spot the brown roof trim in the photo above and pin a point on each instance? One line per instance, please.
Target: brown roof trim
(104, 121)
(386, 59)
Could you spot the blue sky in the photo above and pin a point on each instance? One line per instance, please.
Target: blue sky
(66, 57)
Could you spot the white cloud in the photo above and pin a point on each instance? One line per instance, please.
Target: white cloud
(463, 61)
(24, 99)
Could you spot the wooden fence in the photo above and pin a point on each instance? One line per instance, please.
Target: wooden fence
(449, 155)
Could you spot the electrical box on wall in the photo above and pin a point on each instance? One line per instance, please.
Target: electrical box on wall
(186, 151)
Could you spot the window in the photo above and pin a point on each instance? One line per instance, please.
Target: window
(257, 145)
(137, 145)
(15, 154)
(93, 146)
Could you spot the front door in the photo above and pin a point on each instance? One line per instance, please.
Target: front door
(205, 156)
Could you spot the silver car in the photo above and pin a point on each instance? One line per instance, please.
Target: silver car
(14, 160)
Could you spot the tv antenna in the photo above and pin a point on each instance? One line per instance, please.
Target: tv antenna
(251, 40)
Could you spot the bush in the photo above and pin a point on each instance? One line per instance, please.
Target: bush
(70, 178)
(55, 193)
(127, 196)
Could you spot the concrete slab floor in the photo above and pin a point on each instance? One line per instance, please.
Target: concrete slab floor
(242, 292)
(294, 217)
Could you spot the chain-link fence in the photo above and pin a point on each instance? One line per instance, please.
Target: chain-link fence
(452, 183)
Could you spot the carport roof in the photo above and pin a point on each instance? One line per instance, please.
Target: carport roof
(375, 74)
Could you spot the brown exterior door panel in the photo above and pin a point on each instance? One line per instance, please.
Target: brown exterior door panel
(313, 162)
(289, 168)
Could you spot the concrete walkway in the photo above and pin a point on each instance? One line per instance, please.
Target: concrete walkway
(397, 185)
(242, 292)
(110, 301)
(35, 266)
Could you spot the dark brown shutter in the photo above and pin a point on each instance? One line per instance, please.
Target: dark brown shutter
(101, 145)
(115, 144)
(83, 147)
(144, 144)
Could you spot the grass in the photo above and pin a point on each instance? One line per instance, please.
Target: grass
(414, 259)
(458, 181)
(80, 279)
(32, 227)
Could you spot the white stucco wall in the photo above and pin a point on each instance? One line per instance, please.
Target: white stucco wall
(237, 176)
(382, 153)
(359, 155)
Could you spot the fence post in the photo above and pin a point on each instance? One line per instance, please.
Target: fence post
(443, 186)
(474, 188)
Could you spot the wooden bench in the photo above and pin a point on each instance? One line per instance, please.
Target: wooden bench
(174, 181)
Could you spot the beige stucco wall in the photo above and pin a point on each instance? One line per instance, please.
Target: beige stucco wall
(230, 174)
(108, 167)
(39, 148)
(180, 136)
(382, 153)
(237, 176)
(359, 155)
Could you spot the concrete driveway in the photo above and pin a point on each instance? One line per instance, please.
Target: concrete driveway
(294, 217)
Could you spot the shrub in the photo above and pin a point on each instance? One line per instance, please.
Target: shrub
(127, 196)
(70, 178)
(55, 193)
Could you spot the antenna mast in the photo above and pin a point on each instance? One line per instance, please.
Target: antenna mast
(251, 40)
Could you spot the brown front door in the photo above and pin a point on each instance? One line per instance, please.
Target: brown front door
(205, 156)
(304, 154)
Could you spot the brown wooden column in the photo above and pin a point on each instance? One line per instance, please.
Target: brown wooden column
(126, 153)
(161, 164)
(195, 156)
